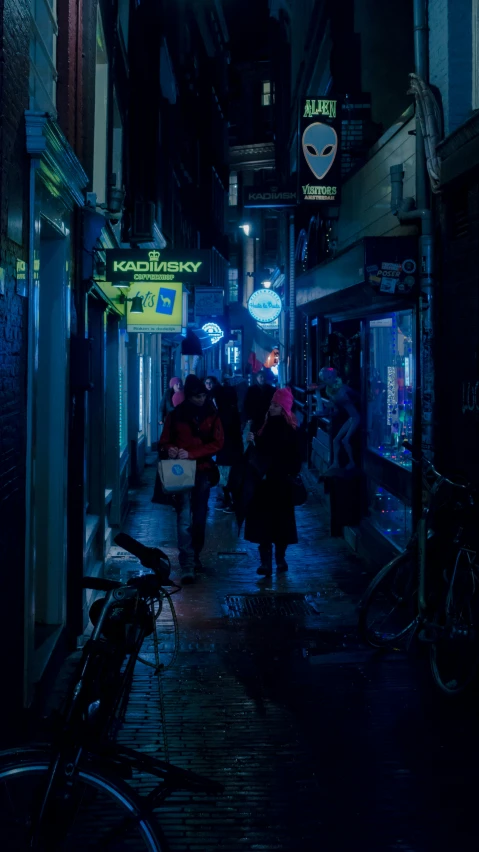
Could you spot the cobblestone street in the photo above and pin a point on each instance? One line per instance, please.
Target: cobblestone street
(319, 742)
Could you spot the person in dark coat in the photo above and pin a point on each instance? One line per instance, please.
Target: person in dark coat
(232, 452)
(276, 455)
(257, 401)
(193, 431)
(212, 386)
(166, 404)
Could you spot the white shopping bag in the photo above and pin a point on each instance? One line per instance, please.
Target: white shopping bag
(177, 474)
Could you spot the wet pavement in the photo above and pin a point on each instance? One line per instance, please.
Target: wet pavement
(321, 744)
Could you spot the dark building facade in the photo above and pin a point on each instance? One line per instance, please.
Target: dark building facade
(112, 111)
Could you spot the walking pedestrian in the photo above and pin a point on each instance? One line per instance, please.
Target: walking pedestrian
(276, 458)
(212, 386)
(232, 451)
(257, 401)
(166, 403)
(193, 431)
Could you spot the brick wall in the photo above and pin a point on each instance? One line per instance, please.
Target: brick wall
(13, 333)
(450, 58)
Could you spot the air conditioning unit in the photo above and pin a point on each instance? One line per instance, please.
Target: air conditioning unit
(143, 222)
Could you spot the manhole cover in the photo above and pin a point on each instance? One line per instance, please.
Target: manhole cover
(267, 606)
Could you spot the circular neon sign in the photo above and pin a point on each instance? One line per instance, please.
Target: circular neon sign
(264, 305)
(214, 331)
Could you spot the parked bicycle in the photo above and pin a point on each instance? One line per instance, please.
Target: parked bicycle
(431, 590)
(72, 794)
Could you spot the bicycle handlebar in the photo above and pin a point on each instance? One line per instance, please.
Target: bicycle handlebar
(150, 557)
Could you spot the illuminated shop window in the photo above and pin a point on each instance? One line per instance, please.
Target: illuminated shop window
(390, 516)
(233, 190)
(141, 393)
(43, 55)
(267, 93)
(123, 392)
(390, 406)
(233, 285)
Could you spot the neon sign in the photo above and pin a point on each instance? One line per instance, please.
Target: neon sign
(320, 168)
(140, 265)
(264, 305)
(214, 331)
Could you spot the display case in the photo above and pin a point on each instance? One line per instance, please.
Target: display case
(390, 515)
(390, 386)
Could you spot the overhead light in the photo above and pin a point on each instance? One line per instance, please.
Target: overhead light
(267, 284)
(136, 305)
(246, 229)
(121, 284)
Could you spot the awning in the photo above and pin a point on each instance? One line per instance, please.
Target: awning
(195, 342)
(369, 274)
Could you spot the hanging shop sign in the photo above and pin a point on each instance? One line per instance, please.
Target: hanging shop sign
(269, 196)
(162, 308)
(137, 265)
(320, 153)
(209, 302)
(391, 263)
(214, 331)
(264, 305)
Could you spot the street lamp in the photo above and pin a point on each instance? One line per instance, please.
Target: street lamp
(246, 229)
(136, 303)
(267, 284)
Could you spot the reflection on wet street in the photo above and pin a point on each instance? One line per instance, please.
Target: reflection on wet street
(320, 742)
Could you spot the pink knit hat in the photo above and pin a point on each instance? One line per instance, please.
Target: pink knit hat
(284, 398)
(177, 398)
(175, 381)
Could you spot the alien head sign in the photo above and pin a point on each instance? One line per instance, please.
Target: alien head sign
(320, 142)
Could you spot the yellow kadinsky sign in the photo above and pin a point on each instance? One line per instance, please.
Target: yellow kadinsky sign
(162, 307)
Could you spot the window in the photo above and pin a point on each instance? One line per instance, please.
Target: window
(233, 285)
(123, 392)
(391, 386)
(390, 515)
(267, 93)
(218, 201)
(475, 54)
(124, 20)
(117, 146)
(233, 190)
(270, 234)
(101, 114)
(43, 55)
(141, 394)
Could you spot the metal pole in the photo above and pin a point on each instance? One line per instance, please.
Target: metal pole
(426, 248)
(292, 299)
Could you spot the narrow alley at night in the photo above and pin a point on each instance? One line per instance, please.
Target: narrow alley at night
(239, 419)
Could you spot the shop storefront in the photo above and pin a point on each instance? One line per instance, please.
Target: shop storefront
(362, 322)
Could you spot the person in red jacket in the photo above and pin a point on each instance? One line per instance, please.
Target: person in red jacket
(193, 431)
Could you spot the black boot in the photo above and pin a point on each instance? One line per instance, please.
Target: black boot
(281, 564)
(266, 556)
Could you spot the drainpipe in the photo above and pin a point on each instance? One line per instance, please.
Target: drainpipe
(409, 210)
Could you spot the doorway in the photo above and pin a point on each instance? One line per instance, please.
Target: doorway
(49, 439)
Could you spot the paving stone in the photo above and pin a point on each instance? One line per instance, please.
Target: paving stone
(320, 743)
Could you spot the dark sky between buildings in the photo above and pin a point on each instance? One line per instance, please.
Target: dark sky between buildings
(247, 22)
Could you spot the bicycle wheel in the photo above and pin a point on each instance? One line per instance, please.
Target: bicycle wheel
(388, 610)
(454, 656)
(103, 812)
